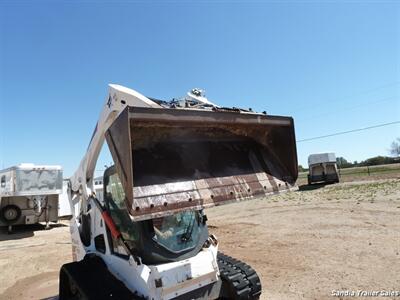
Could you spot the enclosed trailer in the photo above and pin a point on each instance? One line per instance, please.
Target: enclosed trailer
(29, 194)
(98, 187)
(64, 207)
(322, 168)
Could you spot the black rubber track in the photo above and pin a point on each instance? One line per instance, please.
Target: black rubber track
(239, 279)
(89, 279)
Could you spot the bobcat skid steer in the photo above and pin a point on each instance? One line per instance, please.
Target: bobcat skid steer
(148, 238)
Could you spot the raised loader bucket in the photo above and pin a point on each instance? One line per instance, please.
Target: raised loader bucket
(170, 159)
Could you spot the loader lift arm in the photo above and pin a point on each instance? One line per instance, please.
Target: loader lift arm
(118, 98)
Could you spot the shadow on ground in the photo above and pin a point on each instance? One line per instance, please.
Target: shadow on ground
(39, 286)
(307, 187)
(24, 231)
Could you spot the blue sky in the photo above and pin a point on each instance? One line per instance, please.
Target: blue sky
(333, 66)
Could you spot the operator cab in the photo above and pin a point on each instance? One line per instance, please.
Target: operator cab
(159, 240)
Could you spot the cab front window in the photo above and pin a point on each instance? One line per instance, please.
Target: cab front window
(178, 232)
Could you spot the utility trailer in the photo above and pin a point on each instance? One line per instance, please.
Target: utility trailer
(29, 194)
(322, 168)
(98, 187)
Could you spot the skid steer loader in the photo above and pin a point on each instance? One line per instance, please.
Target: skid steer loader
(148, 238)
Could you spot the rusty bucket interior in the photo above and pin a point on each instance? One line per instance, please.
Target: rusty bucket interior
(170, 160)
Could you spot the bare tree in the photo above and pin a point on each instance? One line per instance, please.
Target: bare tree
(395, 147)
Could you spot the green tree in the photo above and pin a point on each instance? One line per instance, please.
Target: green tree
(395, 148)
(302, 169)
(377, 160)
(343, 163)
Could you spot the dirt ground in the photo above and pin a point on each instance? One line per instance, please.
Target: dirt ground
(304, 244)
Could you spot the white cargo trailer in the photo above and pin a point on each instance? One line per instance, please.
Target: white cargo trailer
(322, 168)
(64, 207)
(98, 187)
(29, 194)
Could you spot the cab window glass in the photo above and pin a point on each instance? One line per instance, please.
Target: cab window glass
(179, 231)
(115, 200)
